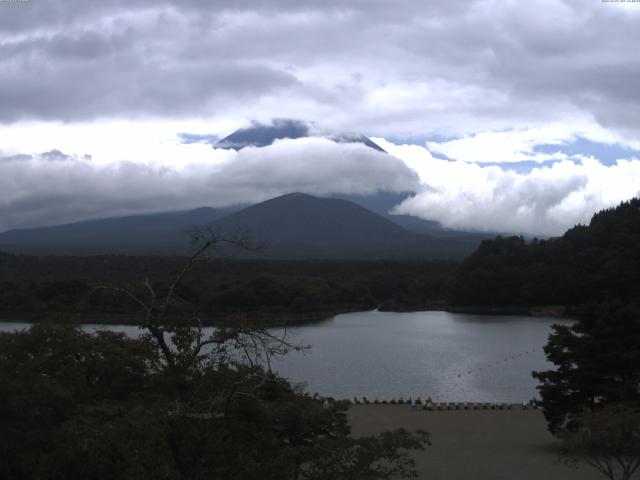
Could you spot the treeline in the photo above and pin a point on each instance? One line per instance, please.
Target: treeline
(38, 287)
(599, 262)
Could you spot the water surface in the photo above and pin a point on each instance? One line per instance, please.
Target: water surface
(450, 357)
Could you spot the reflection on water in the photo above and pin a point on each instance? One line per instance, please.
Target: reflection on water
(450, 357)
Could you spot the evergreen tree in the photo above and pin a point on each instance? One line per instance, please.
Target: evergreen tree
(597, 363)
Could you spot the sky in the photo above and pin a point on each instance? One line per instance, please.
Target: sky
(504, 116)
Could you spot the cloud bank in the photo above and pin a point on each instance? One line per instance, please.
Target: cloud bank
(546, 200)
(128, 89)
(53, 187)
(408, 67)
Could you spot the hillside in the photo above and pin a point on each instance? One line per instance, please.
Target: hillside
(302, 226)
(292, 226)
(597, 262)
(298, 225)
(161, 233)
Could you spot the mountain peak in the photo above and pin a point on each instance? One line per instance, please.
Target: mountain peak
(264, 134)
(293, 226)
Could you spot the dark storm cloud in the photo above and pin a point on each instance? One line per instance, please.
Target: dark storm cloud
(404, 66)
(65, 82)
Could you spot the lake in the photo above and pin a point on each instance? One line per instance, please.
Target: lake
(448, 356)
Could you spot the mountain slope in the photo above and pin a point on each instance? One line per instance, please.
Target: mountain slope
(160, 233)
(299, 224)
(597, 262)
(302, 226)
(294, 226)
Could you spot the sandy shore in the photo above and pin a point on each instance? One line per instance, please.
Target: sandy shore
(475, 444)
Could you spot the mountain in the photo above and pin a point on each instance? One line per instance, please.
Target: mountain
(295, 226)
(303, 226)
(299, 225)
(159, 233)
(262, 135)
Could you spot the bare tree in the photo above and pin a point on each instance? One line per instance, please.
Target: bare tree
(180, 337)
(607, 440)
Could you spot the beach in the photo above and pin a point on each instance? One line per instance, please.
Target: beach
(474, 444)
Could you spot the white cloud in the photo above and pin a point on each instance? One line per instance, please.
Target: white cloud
(520, 145)
(108, 142)
(506, 146)
(544, 201)
(402, 68)
(54, 188)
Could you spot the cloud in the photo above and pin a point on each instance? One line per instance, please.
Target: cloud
(546, 200)
(55, 187)
(52, 188)
(506, 146)
(403, 68)
(482, 81)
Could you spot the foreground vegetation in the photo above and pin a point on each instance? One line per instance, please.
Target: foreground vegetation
(591, 399)
(174, 404)
(103, 406)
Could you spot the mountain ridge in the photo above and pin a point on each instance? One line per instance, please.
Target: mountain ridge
(295, 225)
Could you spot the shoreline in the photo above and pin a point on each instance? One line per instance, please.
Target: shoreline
(553, 311)
(270, 320)
(285, 319)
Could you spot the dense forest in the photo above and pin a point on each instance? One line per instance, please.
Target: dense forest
(589, 263)
(598, 262)
(57, 287)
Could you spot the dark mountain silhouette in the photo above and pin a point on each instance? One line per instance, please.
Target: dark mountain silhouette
(159, 233)
(262, 135)
(302, 225)
(292, 226)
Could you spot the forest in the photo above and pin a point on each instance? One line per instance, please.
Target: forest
(53, 287)
(599, 262)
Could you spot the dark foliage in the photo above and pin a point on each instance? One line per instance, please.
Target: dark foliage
(597, 364)
(43, 287)
(103, 406)
(175, 403)
(598, 262)
(607, 440)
